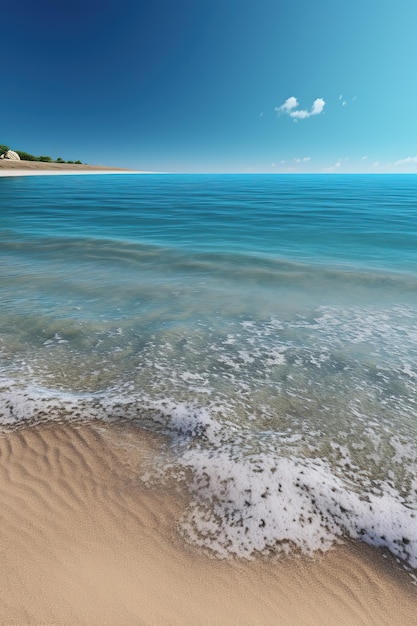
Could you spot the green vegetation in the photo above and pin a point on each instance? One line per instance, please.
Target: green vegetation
(26, 156)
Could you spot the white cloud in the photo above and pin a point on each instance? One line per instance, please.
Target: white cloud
(318, 106)
(300, 114)
(343, 101)
(303, 160)
(364, 157)
(333, 168)
(406, 160)
(289, 104)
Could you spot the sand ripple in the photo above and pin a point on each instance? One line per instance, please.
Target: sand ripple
(83, 541)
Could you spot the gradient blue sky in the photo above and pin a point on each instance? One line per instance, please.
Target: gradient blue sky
(197, 85)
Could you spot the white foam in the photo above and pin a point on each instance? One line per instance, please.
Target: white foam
(300, 433)
(244, 506)
(245, 502)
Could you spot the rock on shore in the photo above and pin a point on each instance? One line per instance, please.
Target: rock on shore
(11, 155)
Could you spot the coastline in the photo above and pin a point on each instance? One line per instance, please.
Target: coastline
(84, 541)
(35, 168)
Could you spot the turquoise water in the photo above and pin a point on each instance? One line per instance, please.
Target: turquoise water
(267, 325)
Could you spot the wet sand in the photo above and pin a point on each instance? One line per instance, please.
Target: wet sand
(85, 541)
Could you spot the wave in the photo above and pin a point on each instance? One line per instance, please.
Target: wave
(114, 261)
(246, 502)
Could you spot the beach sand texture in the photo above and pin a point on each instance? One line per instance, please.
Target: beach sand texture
(84, 541)
(40, 167)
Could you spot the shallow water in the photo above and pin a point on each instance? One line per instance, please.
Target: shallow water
(266, 324)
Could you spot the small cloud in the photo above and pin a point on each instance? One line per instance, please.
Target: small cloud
(333, 168)
(318, 106)
(272, 164)
(283, 161)
(316, 109)
(406, 161)
(364, 157)
(300, 114)
(289, 104)
(303, 160)
(375, 164)
(306, 159)
(261, 114)
(343, 101)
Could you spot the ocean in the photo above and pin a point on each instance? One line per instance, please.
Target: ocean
(265, 325)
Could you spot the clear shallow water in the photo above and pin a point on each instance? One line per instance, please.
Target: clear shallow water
(266, 324)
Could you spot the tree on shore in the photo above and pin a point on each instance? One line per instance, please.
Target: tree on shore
(26, 156)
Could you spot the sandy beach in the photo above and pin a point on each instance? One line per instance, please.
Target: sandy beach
(15, 168)
(84, 541)
(208, 316)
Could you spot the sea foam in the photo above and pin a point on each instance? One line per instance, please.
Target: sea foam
(266, 326)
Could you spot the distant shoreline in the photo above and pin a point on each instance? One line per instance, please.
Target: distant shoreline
(16, 168)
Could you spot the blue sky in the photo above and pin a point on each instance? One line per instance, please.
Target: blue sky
(210, 85)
